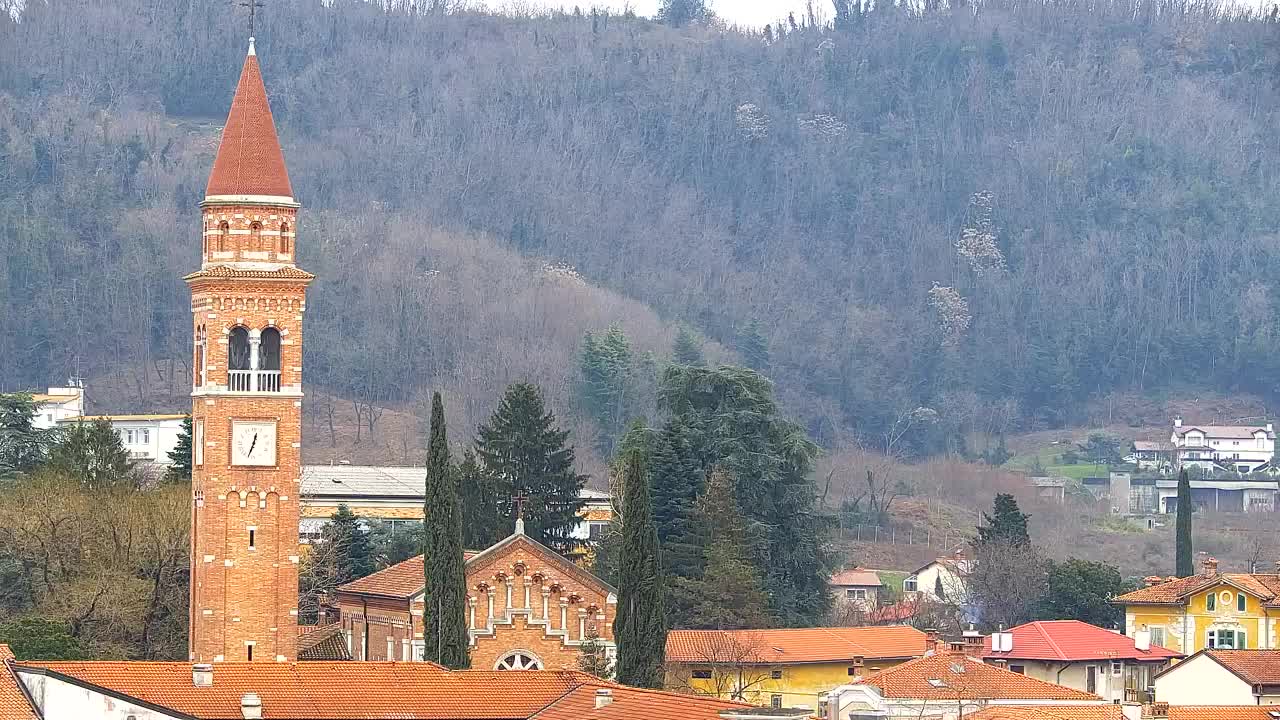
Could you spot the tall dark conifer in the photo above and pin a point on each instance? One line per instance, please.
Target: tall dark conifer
(640, 628)
(444, 601)
(1184, 560)
(676, 479)
(1006, 523)
(482, 522)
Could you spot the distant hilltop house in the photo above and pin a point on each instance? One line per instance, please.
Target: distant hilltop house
(147, 438)
(1236, 448)
(59, 403)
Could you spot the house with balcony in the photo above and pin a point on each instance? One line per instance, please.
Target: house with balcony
(1235, 448)
(1081, 656)
(147, 438)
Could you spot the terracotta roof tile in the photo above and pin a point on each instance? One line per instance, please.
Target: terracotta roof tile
(402, 580)
(1071, 640)
(1049, 712)
(324, 642)
(1265, 586)
(974, 678)
(794, 645)
(1221, 712)
(634, 704)
(249, 160)
(1256, 667)
(860, 577)
(286, 272)
(13, 701)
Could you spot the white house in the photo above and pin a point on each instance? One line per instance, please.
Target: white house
(1222, 677)
(941, 580)
(1235, 496)
(60, 403)
(148, 438)
(1240, 448)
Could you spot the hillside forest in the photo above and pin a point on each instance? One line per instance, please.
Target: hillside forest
(929, 225)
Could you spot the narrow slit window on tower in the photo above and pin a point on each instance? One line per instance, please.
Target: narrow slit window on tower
(256, 242)
(252, 537)
(224, 231)
(249, 650)
(284, 237)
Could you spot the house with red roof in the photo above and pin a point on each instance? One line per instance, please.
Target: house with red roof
(1222, 677)
(857, 587)
(1081, 656)
(947, 686)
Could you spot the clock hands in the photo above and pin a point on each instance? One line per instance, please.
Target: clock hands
(253, 444)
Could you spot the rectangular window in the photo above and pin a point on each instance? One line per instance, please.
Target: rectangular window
(252, 537)
(1117, 668)
(596, 531)
(909, 585)
(1091, 679)
(1210, 602)
(1020, 669)
(775, 701)
(198, 444)
(144, 436)
(391, 648)
(248, 648)
(856, 593)
(775, 674)
(1241, 603)
(701, 674)
(1157, 636)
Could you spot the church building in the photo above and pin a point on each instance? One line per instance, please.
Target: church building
(247, 301)
(528, 609)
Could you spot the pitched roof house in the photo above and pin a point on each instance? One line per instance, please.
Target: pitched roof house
(947, 686)
(1080, 656)
(1227, 677)
(857, 586)
(1240, 448)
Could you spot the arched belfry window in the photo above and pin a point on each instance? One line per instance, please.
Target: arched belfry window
(284, 237)
(238, 353)
(269, 350)
(224, 233)
(256, 242)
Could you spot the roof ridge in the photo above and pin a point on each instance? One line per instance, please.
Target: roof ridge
(1049, 639)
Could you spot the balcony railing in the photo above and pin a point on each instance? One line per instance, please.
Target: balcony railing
(253, 380)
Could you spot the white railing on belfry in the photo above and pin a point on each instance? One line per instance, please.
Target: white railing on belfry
(253, 380)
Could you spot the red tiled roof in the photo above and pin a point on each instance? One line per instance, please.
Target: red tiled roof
(1072, 640)
(858, 577)
(402, 580)
(377, 690)
(1256, 667)
(953, 672)
(287, 272)
(634, 704)
(1265, 586)
(324, 642)
(794, 645)
(1221, 712)
(249, 160)
(13, 701)
(1049, 712)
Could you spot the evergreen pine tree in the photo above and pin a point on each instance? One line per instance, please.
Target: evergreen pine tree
(22, 446)
(180, 456)
(730, 593)
(522, 450)
(482, 521)
(753, 346)
(640, 627)
(593, 657)
(676, 479)
(606, 364)
(681, 12)
(445, 593)
(686, 350)
(1184, 560)
(1007, 523)
(93, 454)
(353, 552)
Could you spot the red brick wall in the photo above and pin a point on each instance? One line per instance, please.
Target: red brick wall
(241, 594)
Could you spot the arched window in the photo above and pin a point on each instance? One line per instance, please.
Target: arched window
(519, 660)
(284, 237)
(199, 374)
(269, 350)
(238, 349)
(224, 232)
(255, 240)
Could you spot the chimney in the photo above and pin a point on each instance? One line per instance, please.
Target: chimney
(972, 644)
(1153, 580)
(1210, 567)
(604, 696)
(1271, 427)
(932, 643)
(1142, 640)
(1156, 710)
(1177, 421)
(202, 675)
(251, 706)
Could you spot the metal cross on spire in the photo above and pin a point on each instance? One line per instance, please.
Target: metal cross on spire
(253, 5)
(519, 499)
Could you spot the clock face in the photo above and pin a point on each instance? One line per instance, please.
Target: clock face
(253, 443)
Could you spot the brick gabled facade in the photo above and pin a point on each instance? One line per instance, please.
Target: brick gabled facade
(524, 600)
(247, 302)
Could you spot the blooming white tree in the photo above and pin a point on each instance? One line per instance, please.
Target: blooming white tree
(827, 127)
(953, 313)
(752, 123)
(978, 241)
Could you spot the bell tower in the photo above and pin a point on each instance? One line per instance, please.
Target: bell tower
(247, 301)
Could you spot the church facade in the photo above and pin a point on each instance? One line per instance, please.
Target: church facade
(528, 609)
(247, 303)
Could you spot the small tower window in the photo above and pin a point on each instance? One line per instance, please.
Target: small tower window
(224, 232)
(256, 242)
(238, 349)
(269, 350)
(284, 237)
(252, 538)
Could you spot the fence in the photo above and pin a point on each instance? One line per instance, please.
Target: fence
(941, 539)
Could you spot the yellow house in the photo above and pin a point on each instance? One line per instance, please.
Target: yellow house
(791, 667)
(1207, 610)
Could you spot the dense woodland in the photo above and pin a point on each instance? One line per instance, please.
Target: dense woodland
(932, 222)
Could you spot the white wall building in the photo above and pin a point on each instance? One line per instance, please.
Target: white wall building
(60, 403)
(1222, 677)
(1241, 448)
(148, 438)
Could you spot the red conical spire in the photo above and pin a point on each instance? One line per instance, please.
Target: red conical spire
(249, 159)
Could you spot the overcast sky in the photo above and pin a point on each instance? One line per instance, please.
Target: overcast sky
(742, 12)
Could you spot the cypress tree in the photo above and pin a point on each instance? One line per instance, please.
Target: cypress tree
(522, 449)
(444, 626)
(1006, 523)
(1185, 564)
(640, 628)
